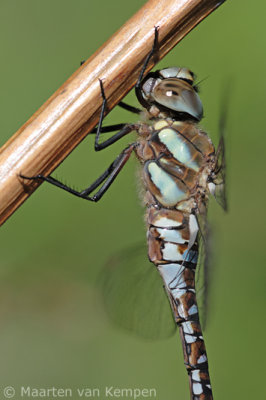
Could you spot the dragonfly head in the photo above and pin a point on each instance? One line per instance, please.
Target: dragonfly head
(171, 90)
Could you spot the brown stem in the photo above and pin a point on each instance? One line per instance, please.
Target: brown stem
(72, 111)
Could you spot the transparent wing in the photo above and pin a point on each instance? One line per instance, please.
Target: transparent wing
(203, 273)
(134, 296)
(205, 263)
(219, 175)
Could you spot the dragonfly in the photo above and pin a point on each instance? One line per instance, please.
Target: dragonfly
(180, 170)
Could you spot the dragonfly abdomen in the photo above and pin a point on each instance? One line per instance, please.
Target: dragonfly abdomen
(169, 235)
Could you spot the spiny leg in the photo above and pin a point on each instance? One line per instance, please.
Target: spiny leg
(114, 168)
(106, 178)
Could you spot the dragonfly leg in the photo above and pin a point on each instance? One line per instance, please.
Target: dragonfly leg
(110, 174)
(112, 128)
(109, 128)
(149, 56)
(106, 179)
(121, 104)
(129, 108)
(123, 131)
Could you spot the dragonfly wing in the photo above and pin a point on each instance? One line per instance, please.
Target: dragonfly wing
(219, 179)
(134, 297)
(203, 275)
(219, 175)
(203, 271)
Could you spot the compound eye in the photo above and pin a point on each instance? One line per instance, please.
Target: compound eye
(167, 93)
(179, 96)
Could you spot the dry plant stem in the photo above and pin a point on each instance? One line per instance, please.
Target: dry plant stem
(73, 110)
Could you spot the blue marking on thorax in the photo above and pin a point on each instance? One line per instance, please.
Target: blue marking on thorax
(170, 192)
(178, 147)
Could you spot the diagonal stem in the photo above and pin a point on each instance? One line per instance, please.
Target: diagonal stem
(73, 110)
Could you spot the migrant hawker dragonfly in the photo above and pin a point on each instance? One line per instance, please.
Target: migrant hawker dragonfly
(180, 168)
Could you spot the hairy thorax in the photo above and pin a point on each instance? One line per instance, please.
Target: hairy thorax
(177, 159)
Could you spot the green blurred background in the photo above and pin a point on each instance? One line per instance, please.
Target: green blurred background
(54, 329)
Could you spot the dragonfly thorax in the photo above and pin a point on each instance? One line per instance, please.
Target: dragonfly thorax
(171, 91)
